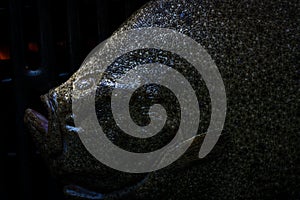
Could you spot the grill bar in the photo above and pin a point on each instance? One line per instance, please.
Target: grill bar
(48, 62)
(102, 17)
(74, 38)
(17, 51)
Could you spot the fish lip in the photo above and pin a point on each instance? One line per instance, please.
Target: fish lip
(35, 121)
(78, 191)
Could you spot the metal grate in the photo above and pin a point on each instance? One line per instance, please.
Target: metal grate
(42, 42)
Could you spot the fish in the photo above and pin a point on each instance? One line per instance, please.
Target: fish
(255, 45)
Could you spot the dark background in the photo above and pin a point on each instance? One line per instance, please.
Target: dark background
(42, 42)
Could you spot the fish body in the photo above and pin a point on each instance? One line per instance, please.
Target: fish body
(255, 46)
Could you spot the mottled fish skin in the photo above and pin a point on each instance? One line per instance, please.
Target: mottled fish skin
(255, 45)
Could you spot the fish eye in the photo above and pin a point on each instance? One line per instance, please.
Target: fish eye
(85, 83)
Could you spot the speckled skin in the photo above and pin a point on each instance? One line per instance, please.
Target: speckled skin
(255, 45)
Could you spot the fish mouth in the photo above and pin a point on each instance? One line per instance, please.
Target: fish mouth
(39, 125)
(37, 121)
